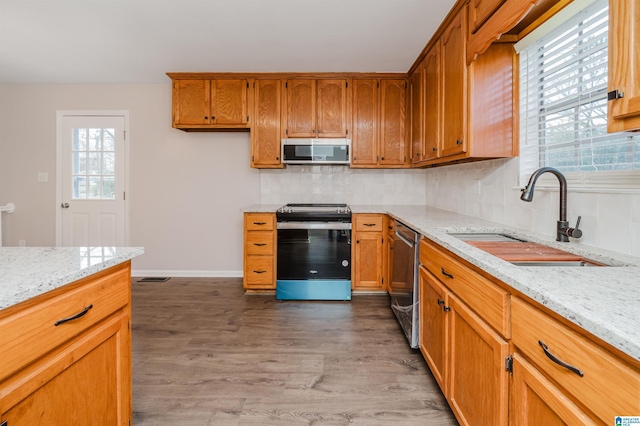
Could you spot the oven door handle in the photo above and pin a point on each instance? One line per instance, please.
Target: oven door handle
(313, 225)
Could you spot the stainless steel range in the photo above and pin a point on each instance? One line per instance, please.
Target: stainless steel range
(314, 252)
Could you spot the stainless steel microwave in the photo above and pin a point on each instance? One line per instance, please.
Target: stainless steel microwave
(316, 151)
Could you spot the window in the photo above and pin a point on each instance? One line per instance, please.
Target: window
(563, 104)
(93, 163)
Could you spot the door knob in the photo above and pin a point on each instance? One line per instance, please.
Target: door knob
(64, 205)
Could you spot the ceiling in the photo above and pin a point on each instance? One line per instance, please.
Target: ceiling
(138, 41)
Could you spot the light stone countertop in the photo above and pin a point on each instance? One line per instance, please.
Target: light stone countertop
(26, 272)
(605, 301)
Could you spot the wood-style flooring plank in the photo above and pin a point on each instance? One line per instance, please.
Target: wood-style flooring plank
(204, 353)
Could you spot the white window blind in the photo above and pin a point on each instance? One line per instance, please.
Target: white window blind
(563, 105)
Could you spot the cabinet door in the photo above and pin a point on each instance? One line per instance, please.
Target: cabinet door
(301, 108)
(536, 401)
(393, 95)
(432, 103)
(229, 102)
(417, 113)
(88, 382)
(624, 65)
(433, 299)
(265, 126)
(478, 381)
(454, 87)
(332, 108)
(368, 261)
(364, 144)
(191, 102)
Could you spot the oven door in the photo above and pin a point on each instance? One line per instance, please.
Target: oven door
(314, 261)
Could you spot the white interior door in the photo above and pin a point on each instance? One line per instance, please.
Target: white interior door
(92, 181)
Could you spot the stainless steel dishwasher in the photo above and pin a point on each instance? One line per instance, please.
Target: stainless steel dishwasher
(404, 282)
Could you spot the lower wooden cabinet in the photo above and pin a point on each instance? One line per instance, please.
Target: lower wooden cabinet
(82, 380)
(433, 326)
(366, 255)
(536, 401)
(260, 251)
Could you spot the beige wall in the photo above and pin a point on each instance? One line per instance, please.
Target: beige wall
(186, 189)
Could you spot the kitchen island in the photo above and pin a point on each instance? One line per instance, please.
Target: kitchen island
(65, 322)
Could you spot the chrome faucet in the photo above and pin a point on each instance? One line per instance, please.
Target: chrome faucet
(563, 230)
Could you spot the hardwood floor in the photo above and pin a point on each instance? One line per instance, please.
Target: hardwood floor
(204, 353)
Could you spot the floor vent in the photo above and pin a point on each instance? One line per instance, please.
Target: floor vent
(153, 279)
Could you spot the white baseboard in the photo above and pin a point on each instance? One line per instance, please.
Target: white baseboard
(187, 274)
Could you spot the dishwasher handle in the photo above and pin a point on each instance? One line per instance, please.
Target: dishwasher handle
(406, 234)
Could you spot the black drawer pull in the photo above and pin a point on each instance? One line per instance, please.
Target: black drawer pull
(260, 272)
(73, 317)
(259, 223)
(369, 224)
(440, 302)
(259, 244)
(559, 362)
(445, 273)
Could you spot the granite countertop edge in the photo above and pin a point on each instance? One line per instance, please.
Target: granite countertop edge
(27, 272)
(580, 295)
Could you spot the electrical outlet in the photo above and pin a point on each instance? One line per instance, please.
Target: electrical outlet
(478, 187)
(43, 177)
(21, 243)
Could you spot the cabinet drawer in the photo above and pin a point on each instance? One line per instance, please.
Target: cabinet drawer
(259, 222)
(259, 243)
(608, 388)
(259, 271)
(31, 332)
(486, 298)
(368, 222)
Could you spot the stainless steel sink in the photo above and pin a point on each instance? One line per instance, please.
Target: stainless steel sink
(484, 236)
(561, 263)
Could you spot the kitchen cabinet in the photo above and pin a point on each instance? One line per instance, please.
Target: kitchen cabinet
(379, 130)
(389, 242)
(317, 108)
(265, 129)
(597, 381)
(426, 112)
(67, 354)
(624, 66)
(200, 104)
(259, 251)
(536, 401)
(454, 87)
(366, 255)
(434, 297)
(464, 329)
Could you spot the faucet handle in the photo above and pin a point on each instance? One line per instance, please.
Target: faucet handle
(575, 232)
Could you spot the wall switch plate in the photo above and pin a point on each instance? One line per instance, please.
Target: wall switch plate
(43, 177)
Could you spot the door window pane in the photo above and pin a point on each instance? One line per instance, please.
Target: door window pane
(93, 164)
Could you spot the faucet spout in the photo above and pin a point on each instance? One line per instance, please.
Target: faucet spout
(527, 195)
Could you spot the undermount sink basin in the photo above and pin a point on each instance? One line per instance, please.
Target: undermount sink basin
(484, 236)
(561, 263)
(520, 252)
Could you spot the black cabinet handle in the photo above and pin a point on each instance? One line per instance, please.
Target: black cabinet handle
(259, 223)
(260, 272)
(458, 142)
(440, 302)
(73, 317)
(559, 361)
(445, 273)
(369, 224)
(260, 244)
(446, 308)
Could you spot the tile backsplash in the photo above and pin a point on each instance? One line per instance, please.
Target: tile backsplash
(340, 184)
(487, 189)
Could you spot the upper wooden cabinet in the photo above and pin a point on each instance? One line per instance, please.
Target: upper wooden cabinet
(316, 108)
(418, 111)
(624, 66)
(468, 109)
(379, 130)
(454, 86)
(480, 11)
(265, 129)
(210, 104)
